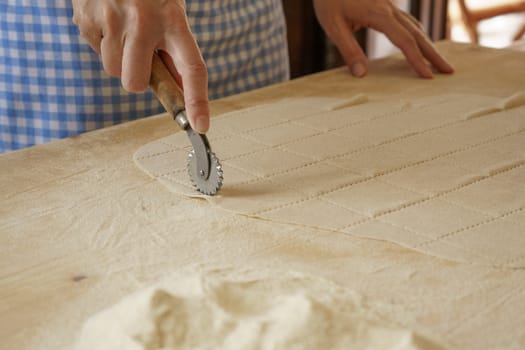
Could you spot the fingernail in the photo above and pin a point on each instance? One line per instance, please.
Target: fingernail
(358, 69)
(201, 124)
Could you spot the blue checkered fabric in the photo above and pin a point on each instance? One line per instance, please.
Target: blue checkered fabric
(52, 85)
(243, 43)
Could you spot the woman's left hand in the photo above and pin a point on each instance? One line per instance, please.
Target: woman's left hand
(340, 18)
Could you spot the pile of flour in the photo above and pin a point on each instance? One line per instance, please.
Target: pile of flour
(224, 309)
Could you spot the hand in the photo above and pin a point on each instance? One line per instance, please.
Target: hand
(127, 32)
(340, 18)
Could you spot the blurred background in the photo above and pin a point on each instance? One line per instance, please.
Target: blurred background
(491, 23)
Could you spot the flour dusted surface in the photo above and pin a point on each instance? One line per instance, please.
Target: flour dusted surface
(225, 309)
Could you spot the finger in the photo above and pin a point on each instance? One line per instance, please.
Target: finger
(111, 46)
(352, 53)
(412, 19)
(406, 42)
(136, 62)
(183, 49)
(168, 61)
(93, 37)
(88, 30)
(427, 48)
(111, 52)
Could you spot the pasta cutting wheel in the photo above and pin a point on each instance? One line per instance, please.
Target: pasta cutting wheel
(209, 185)
(204, 168)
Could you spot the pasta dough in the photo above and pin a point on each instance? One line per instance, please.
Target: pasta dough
(440, 174)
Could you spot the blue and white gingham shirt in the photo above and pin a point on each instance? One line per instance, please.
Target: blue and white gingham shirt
(52, 84)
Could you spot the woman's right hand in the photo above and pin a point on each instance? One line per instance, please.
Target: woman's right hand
(126, 33)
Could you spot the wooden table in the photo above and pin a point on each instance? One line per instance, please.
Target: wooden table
(81, 226)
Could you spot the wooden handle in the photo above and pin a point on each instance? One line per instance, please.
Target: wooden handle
(165, 87)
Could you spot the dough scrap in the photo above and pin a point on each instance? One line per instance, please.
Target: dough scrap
(373, 168)
(229, 310)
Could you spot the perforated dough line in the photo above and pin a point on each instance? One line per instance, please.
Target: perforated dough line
(266, 210)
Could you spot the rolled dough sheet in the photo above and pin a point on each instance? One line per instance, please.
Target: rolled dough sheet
(228, 309)
(442, 174)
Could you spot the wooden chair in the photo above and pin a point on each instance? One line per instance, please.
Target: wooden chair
(472, 15)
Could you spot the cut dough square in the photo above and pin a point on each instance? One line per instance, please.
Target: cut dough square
(275, 113)
(252, 119)
(372, 109)
(255, 197)
(315, 213)
(235, 146)
(174, 141)
(375, 161)
(426, 146)
(480, 130)
(429, 117)
(280, 134)
(220, 129)
(483, 160)
(431, 177)
(317, 178)
(455, 104)
(489, 196)
(297, 108)
(512, 144)
(325, 145)
(434, 218)
(489, 240)
(419, 121)
(514, 119)
(444, 249)
(165, 162)
(268, 162)
(382, 230)
(354, 115)
(376, 132)
(236, 176)
(515, 175)
(327, 121)
(162, 146)
(372, 197)
(179, 181)
(518, 217)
